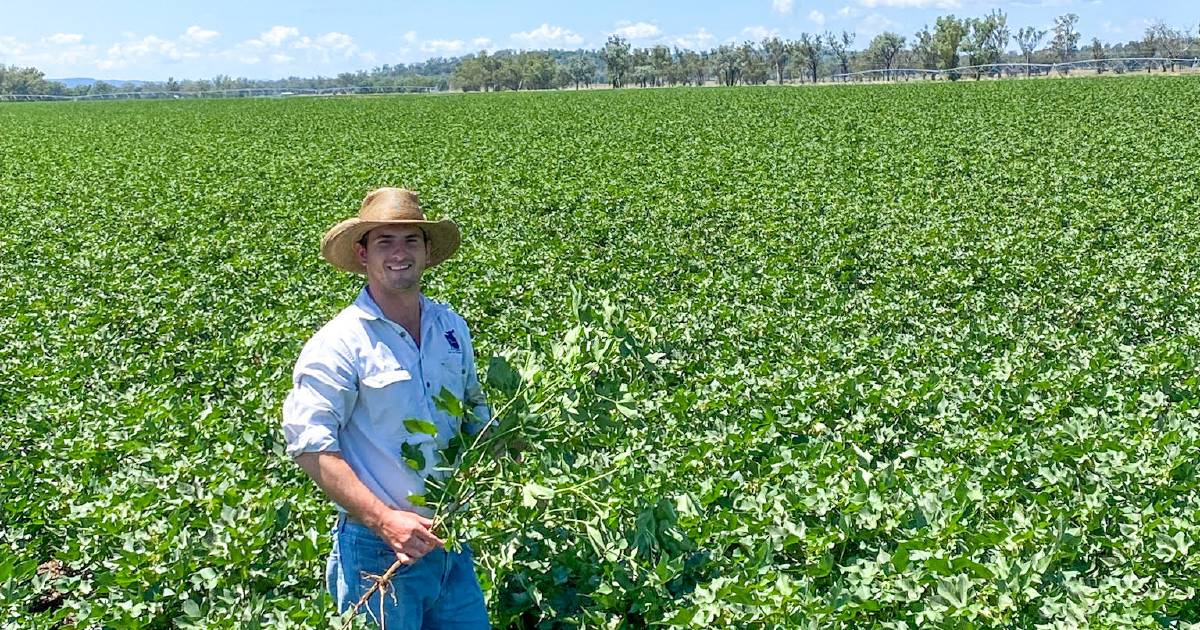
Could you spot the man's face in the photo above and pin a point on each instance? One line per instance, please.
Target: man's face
(395, 257)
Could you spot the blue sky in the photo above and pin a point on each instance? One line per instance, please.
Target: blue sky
(120, 39)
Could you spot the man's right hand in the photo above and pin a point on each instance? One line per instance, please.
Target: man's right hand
(410, 534)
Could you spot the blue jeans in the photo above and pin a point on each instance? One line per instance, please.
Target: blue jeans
(438, 591)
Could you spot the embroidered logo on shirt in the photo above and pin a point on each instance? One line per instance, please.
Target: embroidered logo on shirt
(453, 341)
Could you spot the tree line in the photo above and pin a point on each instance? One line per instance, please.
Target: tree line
(950, 43)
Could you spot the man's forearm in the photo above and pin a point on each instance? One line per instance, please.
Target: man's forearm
(331, 472)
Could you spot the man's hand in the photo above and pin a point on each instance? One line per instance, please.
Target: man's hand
(410, 534)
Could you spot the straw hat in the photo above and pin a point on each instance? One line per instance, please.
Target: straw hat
(387, 206)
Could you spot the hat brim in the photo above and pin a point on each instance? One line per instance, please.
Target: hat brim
(337, 246)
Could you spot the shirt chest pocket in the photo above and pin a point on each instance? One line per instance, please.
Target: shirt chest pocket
(449, 373)
(388, 394)
(388, 390)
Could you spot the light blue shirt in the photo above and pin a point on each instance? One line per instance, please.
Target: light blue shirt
(361, 376)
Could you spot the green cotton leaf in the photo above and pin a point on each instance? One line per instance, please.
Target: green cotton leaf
(417, 499)
(502, 376)
(976, 569)
(682, 617)
(191, 609)
(450, 455)
(628, 412)
(449, 403)
(596, 538)
(532, 492)
(1168, 547)
(417, 425)
(955, 590)
(413, 456)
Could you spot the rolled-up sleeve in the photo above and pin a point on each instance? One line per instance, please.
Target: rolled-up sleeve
(324, 390)
(476, 401)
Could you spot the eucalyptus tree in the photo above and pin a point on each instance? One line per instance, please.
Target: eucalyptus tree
(840, 47)
(998, 36)
(677, 71)
(777, 52)
(660, 60)
(925, 50)
(510, 74)
(883, 50)
(727, 64)
(948, 35)
(1162, 39)
(640, 70)
(754, 66)
(616, 58)
(1098, 54)
(17, 80)
(537, 70)
(810, 49)
(1028, 39)
(1066, 39)
(491, 69)
(468, 76)
(986, 39)
(643, 74)
(693, 67)
(582, 70)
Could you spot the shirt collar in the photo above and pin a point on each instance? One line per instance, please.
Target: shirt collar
(368, 309)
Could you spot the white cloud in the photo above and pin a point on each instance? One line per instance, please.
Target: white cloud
(283, 45)
(546, 36)
(198, 35)
(442, 46)
(275, 37)
(873, 25)
(410, 37)
(71, 56)
(49, 53)
(816, 17)
(781, 6)
(759, 32)
(699, 40)
(912, 4)
(637, 30)
(11, 46)
(481, 42)
(324, 48)
(59, 39)
(847, 12)
(149, 49)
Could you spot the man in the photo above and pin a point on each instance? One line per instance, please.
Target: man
(377, 364)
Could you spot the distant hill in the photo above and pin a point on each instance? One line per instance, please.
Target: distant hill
(88, 81)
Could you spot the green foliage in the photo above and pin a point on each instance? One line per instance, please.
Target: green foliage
(861, 369)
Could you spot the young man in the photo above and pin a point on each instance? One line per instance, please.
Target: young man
(378, 363)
